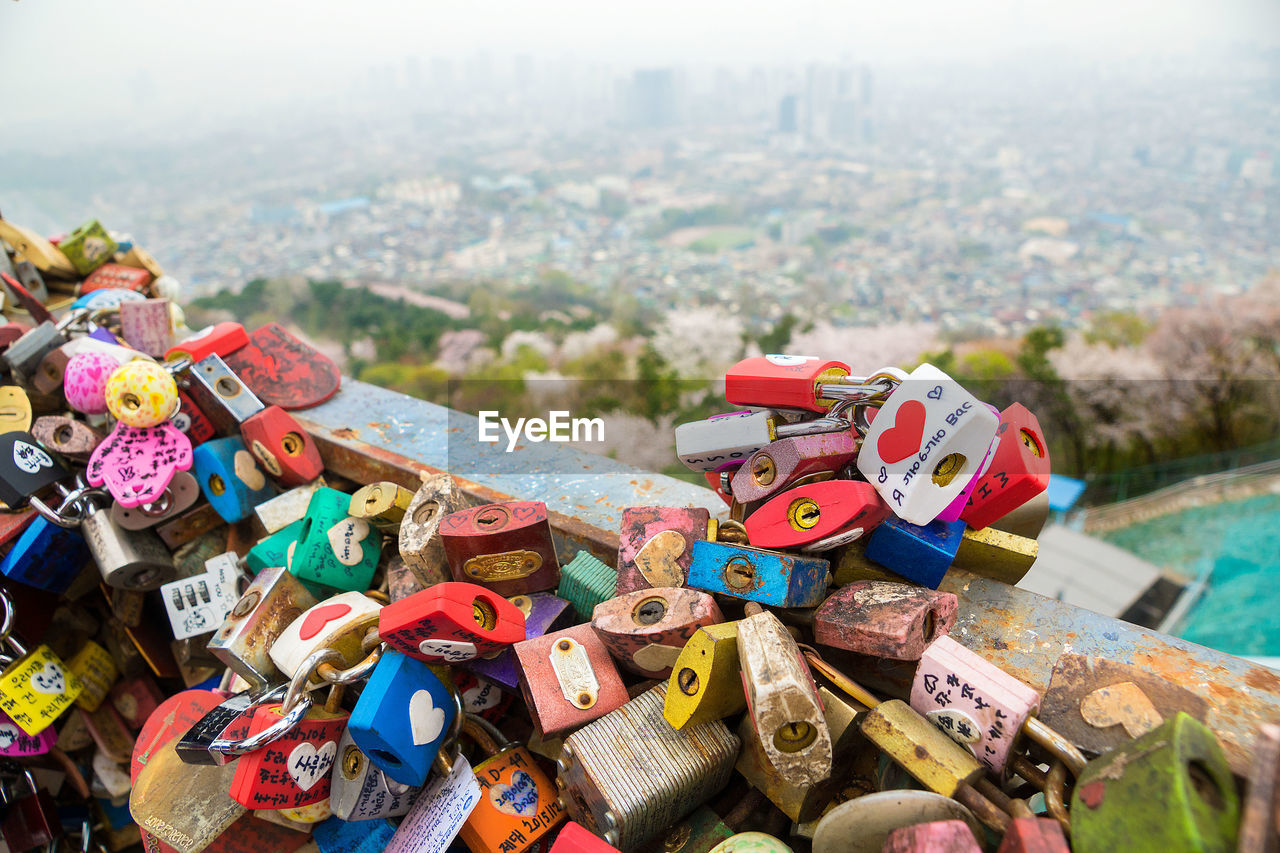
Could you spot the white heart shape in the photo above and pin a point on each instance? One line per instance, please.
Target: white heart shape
(308, 765)
(246, 468)
(481, 695)
(519, 799)
(8, 735)
(29, 458)
(345, 538)
(451, 651)
(426, 721)
(50, 680)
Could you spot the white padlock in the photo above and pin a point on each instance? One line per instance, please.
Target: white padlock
(925, 444)
(339, 623)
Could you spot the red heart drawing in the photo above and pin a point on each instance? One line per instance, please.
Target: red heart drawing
(903, 438)
(318, 617)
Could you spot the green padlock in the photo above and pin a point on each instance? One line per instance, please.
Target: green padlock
(88, 247)
(335, 550)
(273, 550)
(1170, 789)
(586, 582)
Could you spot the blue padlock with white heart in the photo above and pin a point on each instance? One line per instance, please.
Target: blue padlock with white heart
(402, 717)
(230, 478)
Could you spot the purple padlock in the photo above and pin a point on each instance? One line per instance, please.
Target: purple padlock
(543, 614)
(15, 743)
(137, 463)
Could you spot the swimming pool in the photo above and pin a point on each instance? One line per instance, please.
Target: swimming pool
(1238, 542)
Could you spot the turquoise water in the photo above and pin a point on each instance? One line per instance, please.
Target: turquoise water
(1240, 542)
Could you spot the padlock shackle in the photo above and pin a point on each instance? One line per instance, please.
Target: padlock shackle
(1055, 744)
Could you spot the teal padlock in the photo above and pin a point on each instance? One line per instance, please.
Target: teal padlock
(335, 550)
(1170, 789)
(273, 550)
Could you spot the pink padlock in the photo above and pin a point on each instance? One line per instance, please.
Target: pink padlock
(137, 463)
(84, 381)
(15, 743)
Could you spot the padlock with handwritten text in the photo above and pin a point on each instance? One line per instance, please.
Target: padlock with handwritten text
(518, 803)
(359, 791)
(335, 550)
(294, 770)
(451, 623)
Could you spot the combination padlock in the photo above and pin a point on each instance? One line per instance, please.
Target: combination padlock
(335, 550)
(567, 678)
(777, 465)
(646, 630)
(506, 547)
(768, 577)
(451, 623)
(817, 516)
(656, 545)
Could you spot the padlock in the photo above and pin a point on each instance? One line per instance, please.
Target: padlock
(127, 559)
(29, 246)
(1170, 789)
(15, 743)
(656, 545)
(25, 468)
(803, 803)
(440, 810)
(719, 482)
(959, 502)
(283, 371)
(22, 358)
(136, 699)
(575, 838)
(268, 606)
(980, 706)
(817, 516)
(137, 464)
(285, 508)
(697, 832)
(706, 680)
(996, 554)
(227, 721)
(15, 409)
(46, 556)
(221, 395)
(567, 678)
(220, 339)
(192, 421)
(109, 732)
(925, 444)
(97, 672)
(197, 605)
(178, 497)
(28, 275)
(781, 463)
(362, 836)
(52, 372)
(1019, 469)
(32, 820)
(884, 619)
(111, 276)
(783, 382)
(680, 770)
(141, 394)
(920, 553)
(506, 547)
(88, 247)
(1036, 835)
(646, 630)
(283, 447)
(66, 436)
(451, 623)
(360, 791)
(340, 623)
(147, 325)
(109, 775)
(1259, 829)
(721, 443)
(943, 836)
(586, 581)
(37, 688)
(85, 377)
(335, 550)
(273, 550)
(776, 579)
(783, 701)
(381, 504)
(420, 544)
(230, 478)
(402, 718)
(292, 771)
(543, 613)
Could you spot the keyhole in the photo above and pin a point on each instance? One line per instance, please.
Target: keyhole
(130, 401)
(947, 468)
(763, 470)
(63, 434)
(227, 387)
(650, 611)
(484, 614)
(292, 444)
(426, 512)
(1031, 443)
(804, 513)
(371, 501)
(793, 737)
(489, 518)
(217, 487)
(160, 506)
(688, 682)
(930, 625)
(1206, 787)
(739, 573)
(352, 762)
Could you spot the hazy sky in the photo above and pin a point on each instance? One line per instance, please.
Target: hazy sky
(72, 55)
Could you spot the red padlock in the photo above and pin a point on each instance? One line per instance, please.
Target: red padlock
(506, 547)
(1018, 472)
(283, 447)
(450, 623)
(293, 771)
(32, 820)
(117, 277)
(192, 421)
(575, 838)
(829, 513)
(646, 629)
(782, 381)
(221, 339)
(1035, 835)
(568, 679)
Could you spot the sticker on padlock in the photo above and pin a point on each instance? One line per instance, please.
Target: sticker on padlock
(340, 623)
(706, 681)
(15, 743)
(543, 614)
(267, 608)
(283, 371)
(925, 444)
(814, 515)
(517, 804)
(646, 630)
(360, 791)
(25, 468)
(197, 605)
(36, 689)
(884, 619)
(178, 497)
(506, 547)
(656, 545)
(67, 437)
(294, 770)
(335, 550)
(567, 678)
(451, 623)
(136, 464)
(420, 544)
(402, 718)
(777, 579)
(230, 478)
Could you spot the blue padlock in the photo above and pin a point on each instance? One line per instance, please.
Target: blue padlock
(108, 297)
(334, 549)
(230, 478)
(920, 553)
(402, 717)
(769, 577)
(365, 836)
(46, 556)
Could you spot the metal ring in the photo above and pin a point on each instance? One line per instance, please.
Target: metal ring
(299, 685)
(272, 733)
(352, 674)
(7, 625)
(181, 364)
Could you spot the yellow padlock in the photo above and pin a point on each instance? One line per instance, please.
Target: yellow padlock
(141, 394)
(706, 683)
(37, 688)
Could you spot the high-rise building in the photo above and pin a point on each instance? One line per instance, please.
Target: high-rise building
(653, 98)
(789, 114)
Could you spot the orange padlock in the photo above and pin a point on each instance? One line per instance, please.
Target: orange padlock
(518, 803)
